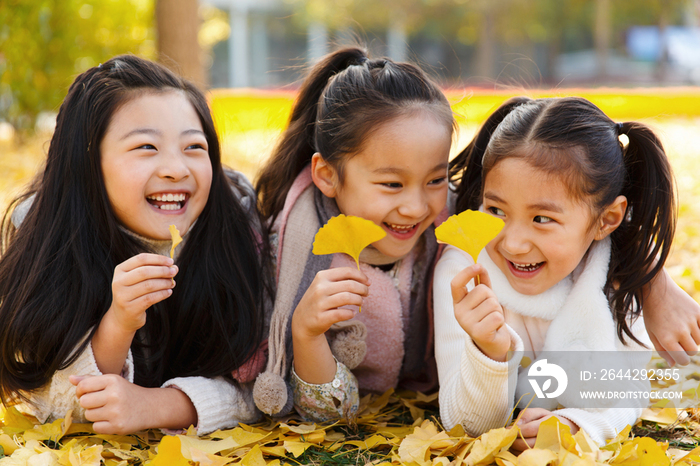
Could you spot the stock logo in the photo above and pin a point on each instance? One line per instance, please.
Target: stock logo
(543, 369)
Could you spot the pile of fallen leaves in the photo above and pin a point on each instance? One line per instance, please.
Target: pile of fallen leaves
(395, 428)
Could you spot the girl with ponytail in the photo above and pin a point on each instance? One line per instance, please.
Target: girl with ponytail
(588, 225)
(370, 138)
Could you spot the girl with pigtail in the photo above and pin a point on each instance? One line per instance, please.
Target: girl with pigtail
(588, 225)
(369, 138)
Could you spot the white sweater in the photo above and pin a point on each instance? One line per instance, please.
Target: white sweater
(219, 403)
(480, 393)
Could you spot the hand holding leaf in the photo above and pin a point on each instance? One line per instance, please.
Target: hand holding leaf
(347, 234)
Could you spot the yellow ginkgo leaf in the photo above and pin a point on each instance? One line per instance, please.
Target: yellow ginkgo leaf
(347, 234)
(469, 231)
(177, 239)
(169, 453)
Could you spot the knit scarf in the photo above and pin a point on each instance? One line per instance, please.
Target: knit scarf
(390, 342)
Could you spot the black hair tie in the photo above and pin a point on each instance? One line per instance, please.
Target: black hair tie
(618, 127)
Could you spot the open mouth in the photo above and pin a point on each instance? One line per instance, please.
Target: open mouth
(526, 267)
(168, 201)
(401, 229)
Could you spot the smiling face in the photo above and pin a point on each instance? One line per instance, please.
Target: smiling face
(155, 164)
(547, 232)
(398, 179)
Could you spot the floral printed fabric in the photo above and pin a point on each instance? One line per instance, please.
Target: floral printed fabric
(338, 399)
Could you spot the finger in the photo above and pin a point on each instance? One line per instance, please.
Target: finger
(530, 429)
(523, 444)
(350, 286)
(92, 384)
(134, 292)
(486, 315)
(99, 414)
(103, 427)
(458, 285)
(484, 278)
(341, 299)
(344, 273)
(147, 272)
(76, 379)
(695, 334)
(148, 300)
(144, 259)
(329, 318)
(532, 414)
(93, 401)
(678, 354)
(489, 324)
(660, 349)
(689, 346)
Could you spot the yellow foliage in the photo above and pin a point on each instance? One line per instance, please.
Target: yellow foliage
(347, 234)
(469, 231)
(176, 239)
(170, 453)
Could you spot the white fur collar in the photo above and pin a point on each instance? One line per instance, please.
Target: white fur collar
(578, 308)
(544, 306)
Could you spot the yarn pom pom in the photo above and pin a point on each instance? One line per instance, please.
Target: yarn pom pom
(349, 348)
(271, 394)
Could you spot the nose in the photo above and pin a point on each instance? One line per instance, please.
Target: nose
(514, 239)
(173, 165)
(414, 204)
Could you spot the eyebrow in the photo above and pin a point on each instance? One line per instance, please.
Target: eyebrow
(159, 133)
(398, 171)
(542, 205)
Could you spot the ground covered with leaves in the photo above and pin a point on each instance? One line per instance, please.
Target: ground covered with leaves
(401, 428)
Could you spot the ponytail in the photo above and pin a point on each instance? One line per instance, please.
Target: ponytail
(467, 167)
(641, 245)
(295, 149)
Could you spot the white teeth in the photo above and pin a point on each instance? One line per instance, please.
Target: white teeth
(526, 267)
(171, 206)
(167, 197)
(401, 228)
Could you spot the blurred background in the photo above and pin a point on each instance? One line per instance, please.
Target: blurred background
(636, 59)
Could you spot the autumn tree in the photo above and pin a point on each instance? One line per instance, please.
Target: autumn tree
(44, 44)
(177, 22)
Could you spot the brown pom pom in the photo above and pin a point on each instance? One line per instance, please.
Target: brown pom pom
(272, 395)
(347, 341)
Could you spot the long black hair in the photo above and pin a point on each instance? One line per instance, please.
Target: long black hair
(572, 138)
(344, 98)
(56, 268)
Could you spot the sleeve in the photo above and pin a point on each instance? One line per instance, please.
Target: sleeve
(601, 424)
(58, 397)
(338, 399)
(475, 391)
(608, 419)
(219, 403)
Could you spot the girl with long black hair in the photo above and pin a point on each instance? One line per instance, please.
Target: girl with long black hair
(96, 316)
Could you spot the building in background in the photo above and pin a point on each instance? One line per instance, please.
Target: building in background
(477, 42)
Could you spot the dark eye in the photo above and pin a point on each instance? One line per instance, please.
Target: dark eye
(542, 219)
(196, 146)
(496, 211)
(392, 185)
(147, 147)
(437, 181)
